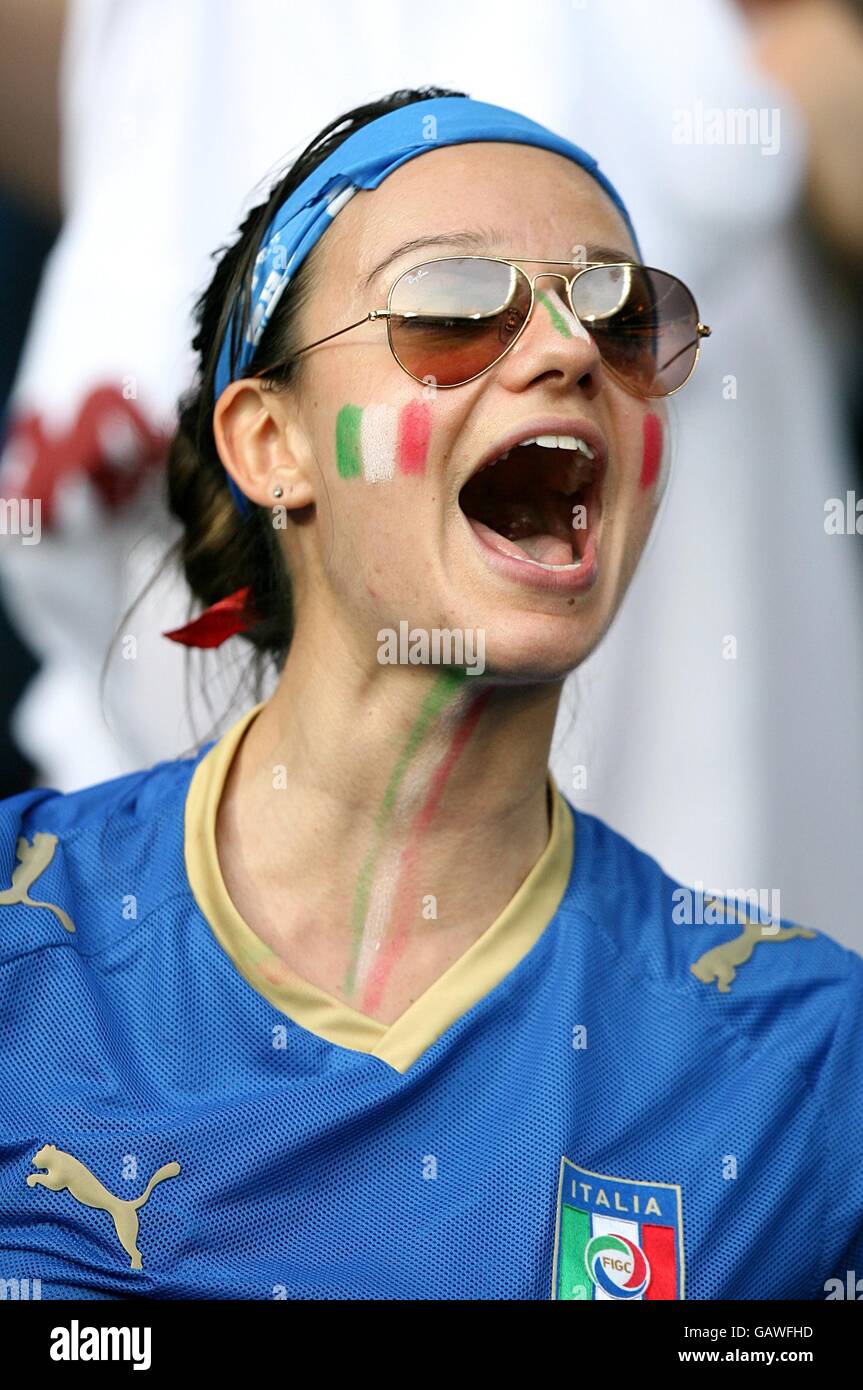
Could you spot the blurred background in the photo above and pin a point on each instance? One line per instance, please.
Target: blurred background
(719, 726)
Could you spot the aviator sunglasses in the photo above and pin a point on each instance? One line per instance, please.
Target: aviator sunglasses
(451, 319)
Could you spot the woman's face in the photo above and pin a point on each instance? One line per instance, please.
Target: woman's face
(396, 535)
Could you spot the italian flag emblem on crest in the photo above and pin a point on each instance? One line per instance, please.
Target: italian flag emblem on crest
(616, 1238)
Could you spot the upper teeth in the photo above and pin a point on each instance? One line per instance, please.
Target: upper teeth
(552, 441)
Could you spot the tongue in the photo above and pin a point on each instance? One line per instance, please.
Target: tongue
(547, 549)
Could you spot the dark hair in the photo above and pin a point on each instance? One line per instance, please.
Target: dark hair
(220, 551)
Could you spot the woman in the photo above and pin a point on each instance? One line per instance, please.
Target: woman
(354, 1004)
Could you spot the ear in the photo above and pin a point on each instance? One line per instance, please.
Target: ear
(262, 445)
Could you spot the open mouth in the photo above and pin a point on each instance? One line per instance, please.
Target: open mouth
(539, 502)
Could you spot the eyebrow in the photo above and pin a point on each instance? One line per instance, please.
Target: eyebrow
(471, 240)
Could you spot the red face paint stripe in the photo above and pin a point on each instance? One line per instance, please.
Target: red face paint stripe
(652, 456)
(413, 441)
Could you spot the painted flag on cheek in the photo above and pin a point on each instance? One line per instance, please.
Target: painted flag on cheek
(375, 442)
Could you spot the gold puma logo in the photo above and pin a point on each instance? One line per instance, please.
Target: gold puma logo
(64, 1171)
(34, 859)
(720, 962)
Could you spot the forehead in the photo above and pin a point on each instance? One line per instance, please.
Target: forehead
(510, 200)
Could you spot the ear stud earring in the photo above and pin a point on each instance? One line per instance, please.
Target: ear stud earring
(278, 491)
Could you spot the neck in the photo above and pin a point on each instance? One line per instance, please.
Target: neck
(398, 798)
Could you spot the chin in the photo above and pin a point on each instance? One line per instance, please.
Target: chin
(535, 650)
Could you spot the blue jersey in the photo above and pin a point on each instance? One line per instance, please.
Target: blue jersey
(616, 1093)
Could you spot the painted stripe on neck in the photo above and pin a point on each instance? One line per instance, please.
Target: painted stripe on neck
(407, 890)
(446, 687)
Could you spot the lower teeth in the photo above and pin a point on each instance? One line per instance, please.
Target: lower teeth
(575, 564)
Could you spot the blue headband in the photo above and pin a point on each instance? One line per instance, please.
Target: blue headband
(364, 160)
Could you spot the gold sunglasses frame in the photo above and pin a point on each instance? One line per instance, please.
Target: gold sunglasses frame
(702, 330)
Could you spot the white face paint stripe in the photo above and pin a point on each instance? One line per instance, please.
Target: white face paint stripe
(662, 481)
(664, 463)
(378, 434)
(576, 328)
(379, 911)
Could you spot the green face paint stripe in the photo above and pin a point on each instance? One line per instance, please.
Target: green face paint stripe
(348, 422)
(445, 687)
(559, 322)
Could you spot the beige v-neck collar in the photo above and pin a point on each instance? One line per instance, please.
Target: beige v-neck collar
(491, 957)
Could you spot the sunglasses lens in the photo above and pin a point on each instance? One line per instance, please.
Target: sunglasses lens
(452, 318)
(644, 322)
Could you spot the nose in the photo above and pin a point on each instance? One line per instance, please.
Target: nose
(558, 307)
(554, 344)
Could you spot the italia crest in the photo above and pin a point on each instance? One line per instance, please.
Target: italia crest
(616, 1238)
